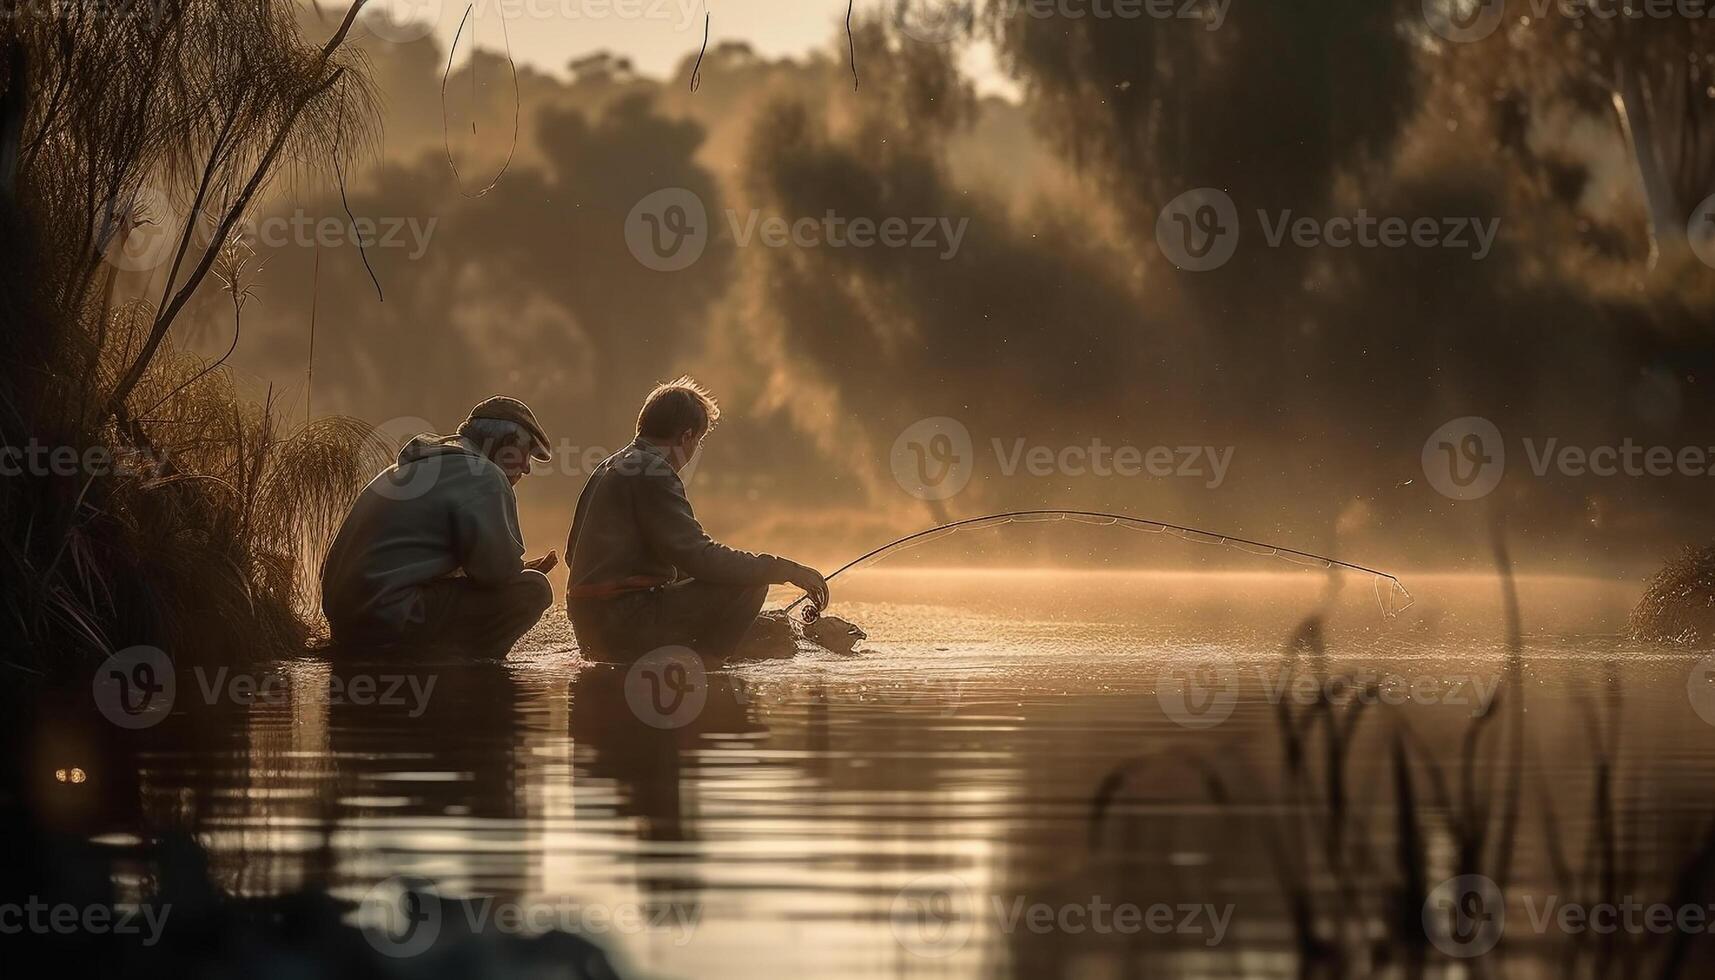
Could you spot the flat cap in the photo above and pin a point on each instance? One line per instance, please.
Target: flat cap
(503, 408)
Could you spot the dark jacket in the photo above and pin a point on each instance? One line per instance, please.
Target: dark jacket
(634, 528)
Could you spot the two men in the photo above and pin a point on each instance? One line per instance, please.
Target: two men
(431, 552)
(644, 573)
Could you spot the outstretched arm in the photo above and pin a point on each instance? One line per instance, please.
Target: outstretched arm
(674, 533)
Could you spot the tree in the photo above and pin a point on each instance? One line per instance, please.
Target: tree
(1270, 104)
(128, 105)
(1650, 67)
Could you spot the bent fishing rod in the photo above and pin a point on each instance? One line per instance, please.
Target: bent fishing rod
(1098, 519)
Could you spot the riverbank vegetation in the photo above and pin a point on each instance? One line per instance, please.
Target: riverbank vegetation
(146, 500)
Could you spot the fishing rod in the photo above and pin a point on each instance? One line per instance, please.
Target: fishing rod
(1098, 519)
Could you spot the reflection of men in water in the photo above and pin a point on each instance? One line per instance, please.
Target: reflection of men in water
(644, 573)
(431, 551)
(644, 760)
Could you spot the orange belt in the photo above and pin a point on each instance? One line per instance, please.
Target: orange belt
(609, 590)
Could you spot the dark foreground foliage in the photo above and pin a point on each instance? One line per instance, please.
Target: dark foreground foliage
(1679, 604)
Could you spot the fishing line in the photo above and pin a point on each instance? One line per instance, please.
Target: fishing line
(1396, 590)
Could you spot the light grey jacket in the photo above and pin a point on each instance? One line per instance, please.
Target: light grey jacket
(442, 509)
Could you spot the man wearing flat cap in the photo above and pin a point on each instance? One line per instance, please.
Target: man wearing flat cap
(430, 553)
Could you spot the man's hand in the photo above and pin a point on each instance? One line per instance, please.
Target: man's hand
(812, 582)
(544, 564)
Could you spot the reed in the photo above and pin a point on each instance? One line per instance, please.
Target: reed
(191, 514)
(1354, 879)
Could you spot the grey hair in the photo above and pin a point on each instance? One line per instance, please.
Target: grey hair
(493, 435)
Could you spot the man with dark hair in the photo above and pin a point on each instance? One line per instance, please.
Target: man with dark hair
(644, 573)
(430, 553)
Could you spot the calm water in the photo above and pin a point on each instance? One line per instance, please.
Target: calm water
(891, 811)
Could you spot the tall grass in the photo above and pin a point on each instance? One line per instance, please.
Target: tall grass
(199, 535)
(1354, 886)
(201, 539)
